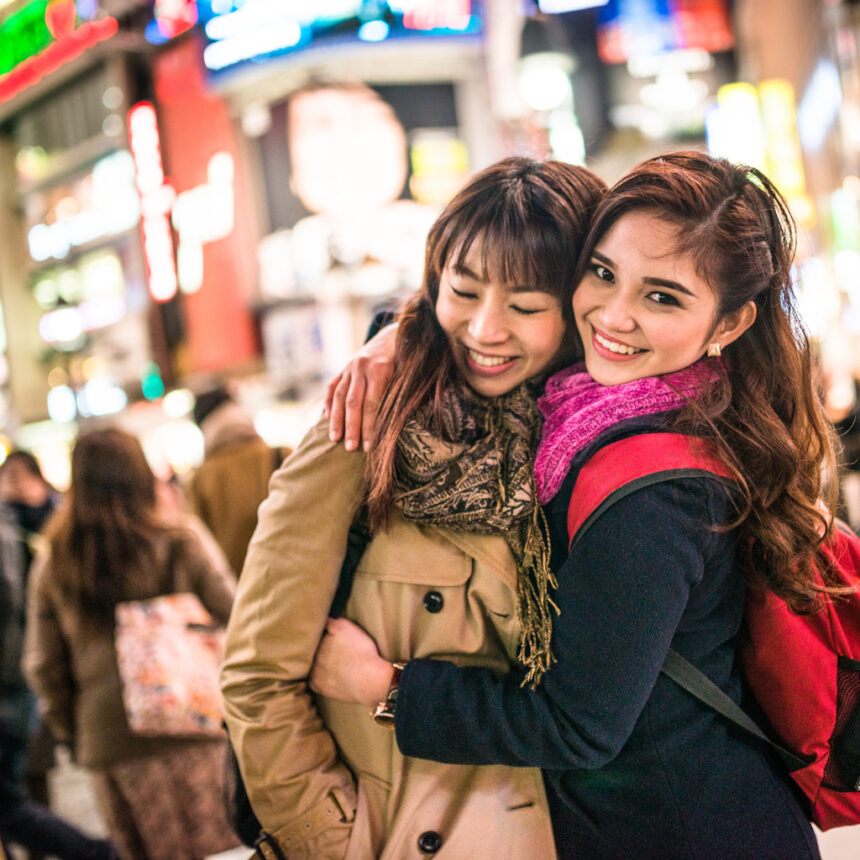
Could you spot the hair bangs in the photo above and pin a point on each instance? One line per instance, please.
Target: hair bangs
(517, 251)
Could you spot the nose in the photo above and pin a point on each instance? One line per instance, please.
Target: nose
(616, 312)
(487, 324)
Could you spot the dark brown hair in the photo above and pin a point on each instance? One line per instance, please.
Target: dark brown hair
(106, 529)
(529, 218)
(28, 461)
(764, 415)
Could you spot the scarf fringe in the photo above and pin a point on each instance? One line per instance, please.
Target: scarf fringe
(535, 605)
(484, 482)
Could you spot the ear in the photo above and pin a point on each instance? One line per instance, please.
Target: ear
(733, 325)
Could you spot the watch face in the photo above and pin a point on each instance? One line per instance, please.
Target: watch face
(383, 717)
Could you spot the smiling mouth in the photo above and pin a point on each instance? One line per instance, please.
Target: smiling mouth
(488, 360)
(615, 346)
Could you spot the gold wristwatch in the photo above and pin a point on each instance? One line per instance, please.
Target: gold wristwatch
(383, 715)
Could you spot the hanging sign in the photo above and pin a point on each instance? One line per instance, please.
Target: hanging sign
(156, 202)
(42, 36)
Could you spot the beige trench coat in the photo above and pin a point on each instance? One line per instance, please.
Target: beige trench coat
(322, 776)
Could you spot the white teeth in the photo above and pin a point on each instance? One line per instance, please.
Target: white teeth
(614, 346)
(487, 360)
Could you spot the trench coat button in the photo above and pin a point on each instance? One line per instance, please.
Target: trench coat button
(433, 602)
(429, 842)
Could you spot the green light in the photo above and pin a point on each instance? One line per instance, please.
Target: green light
(151, 383)
(846, 220)
(23, 35)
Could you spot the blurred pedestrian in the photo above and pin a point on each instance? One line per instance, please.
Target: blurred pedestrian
(111, 542)
(23, 821)
(233, 478)
(29, 495)
(34, 827)
(31, 499)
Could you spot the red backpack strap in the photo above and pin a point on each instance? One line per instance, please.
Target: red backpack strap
(622, 467)
(639, 461)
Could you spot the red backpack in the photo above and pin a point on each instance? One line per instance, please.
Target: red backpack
(803, 669)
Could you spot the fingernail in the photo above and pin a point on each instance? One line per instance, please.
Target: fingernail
(349, 444)
(366, 445)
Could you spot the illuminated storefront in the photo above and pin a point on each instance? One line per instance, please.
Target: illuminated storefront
(350, 125)
(81, 328)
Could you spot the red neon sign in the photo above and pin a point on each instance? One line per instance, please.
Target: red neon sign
(438, 14)
(68, 46)
(156, 201)
(173, 17)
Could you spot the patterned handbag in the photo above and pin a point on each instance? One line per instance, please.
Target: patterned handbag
(169, 652)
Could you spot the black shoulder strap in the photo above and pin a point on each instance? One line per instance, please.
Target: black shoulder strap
(356, 542)
(689, 678)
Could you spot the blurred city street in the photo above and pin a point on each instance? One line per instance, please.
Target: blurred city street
(207, 207)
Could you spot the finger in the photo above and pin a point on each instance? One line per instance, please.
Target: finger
(329, 392)
(336, 410)
(354, 406)
(380, 373)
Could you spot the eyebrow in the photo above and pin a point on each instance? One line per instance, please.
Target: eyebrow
(654, 282)
(514, 288)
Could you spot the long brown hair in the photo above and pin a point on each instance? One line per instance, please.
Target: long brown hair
(764, 415)
(107, 527)
(530, 218)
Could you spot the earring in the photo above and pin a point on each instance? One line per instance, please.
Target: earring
(714, 350)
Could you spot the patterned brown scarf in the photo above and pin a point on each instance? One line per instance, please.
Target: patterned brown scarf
(484, 483)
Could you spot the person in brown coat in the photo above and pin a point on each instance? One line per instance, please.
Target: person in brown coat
(233, 479)
(160, 796)
(457, 565)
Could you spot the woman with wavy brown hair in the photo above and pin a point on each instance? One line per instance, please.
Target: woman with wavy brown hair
(685, 309)
(111, 542)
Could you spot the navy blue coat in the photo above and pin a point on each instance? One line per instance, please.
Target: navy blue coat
(634, 766)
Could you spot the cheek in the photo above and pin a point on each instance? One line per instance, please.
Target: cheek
(550, 338)
(445, 315)
(582, 302)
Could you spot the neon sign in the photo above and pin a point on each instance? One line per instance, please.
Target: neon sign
(203, 214)
(40, 38)
(156, 201)
(239, 31)
(630, 28)
(170, 18)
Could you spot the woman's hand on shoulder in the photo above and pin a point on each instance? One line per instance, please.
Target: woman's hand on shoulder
(347, 666)
(353, 396)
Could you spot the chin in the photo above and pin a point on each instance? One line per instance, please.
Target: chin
(608, 378)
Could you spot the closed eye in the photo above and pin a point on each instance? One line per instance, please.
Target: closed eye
(463, 294)
(526, 311)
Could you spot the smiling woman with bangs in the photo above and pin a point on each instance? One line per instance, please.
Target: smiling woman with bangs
(458, 562)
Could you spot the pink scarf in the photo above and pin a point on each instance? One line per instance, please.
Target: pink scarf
(576, 410)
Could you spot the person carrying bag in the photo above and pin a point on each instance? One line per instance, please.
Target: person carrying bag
(159, 793)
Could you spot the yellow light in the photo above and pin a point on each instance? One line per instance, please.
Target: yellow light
(57, 376)
(92, 366)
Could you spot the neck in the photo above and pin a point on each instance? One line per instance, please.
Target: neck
(577, 410)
